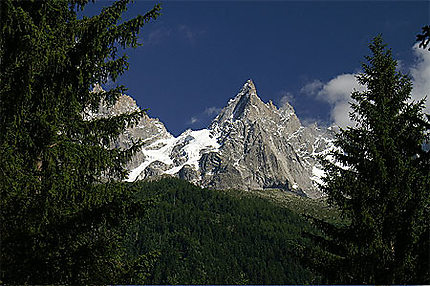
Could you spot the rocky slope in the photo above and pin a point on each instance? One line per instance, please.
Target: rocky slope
(148, 129)
(249, 145)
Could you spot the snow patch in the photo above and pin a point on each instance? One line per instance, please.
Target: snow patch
(195, 143)
(317, 175)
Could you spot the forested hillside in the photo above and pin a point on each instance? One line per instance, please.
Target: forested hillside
(213, 237)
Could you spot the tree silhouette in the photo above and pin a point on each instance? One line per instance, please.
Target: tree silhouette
(60, 205)
(380, 182)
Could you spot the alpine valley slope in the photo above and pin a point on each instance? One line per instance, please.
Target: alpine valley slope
(249, 145)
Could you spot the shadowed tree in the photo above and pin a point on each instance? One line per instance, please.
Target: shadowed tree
(424, 38)
(380, 182)
(60, 205)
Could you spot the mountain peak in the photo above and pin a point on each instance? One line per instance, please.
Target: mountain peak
(248, 92)
(249, 87)
(247, 96)
(245, 104)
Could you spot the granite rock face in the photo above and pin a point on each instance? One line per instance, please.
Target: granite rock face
(266, 147)
(249, 145)
(148, 129)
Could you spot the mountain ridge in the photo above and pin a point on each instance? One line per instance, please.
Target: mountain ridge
(249, 145)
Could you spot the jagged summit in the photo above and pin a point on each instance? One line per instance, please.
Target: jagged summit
(248, 107)
(249, 145)
(248, 93)
(246, 101)
(249, 87)
(245, 105)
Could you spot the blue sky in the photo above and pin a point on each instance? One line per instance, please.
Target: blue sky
(198, 54)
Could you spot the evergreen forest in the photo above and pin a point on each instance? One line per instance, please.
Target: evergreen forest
(203, 236)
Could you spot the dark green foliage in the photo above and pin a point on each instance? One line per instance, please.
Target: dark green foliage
(214, 237)
(383, 188)
(57, 220)
(300, 205)
(424, 38)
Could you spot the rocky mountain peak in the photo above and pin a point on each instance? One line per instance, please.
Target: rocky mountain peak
(245, 102)
(124, 104)
(286, 108)
(246, 105)
(247, 108)
(249, 145)
(248, 88)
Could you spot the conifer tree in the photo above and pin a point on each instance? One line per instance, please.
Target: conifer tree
(380, 182)
(60, 205)
(424, 38)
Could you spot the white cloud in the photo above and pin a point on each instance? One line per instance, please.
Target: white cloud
(312, 88)
(164, 32)
(337, 92)
(203, 116)
(210, 111)
(189, 33)
(193, 120)
(340, 114)
(400, 66)
(420, 73)
(339, 89)
(158, 35)
(286, 98)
